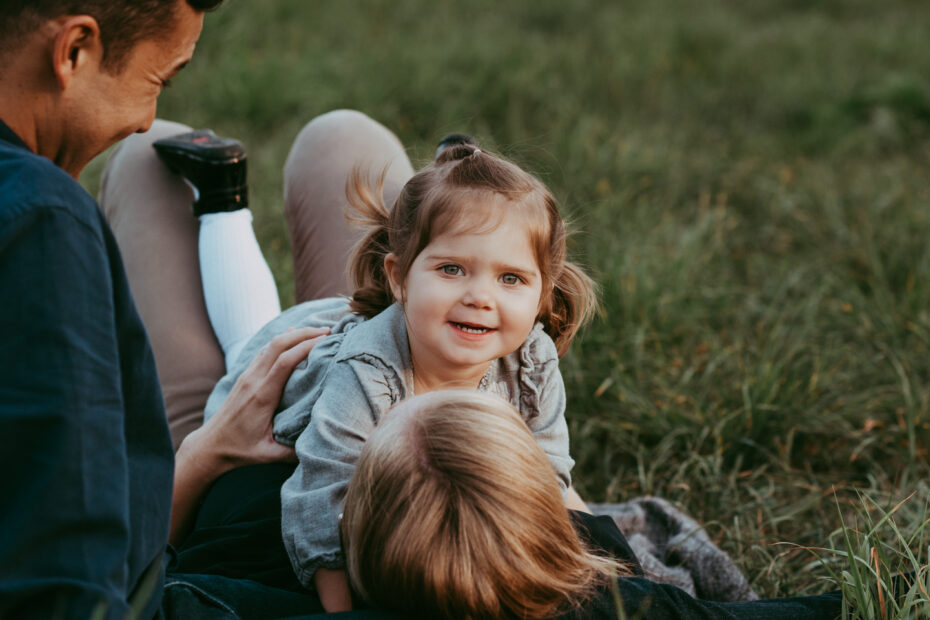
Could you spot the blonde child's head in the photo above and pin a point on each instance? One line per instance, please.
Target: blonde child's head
(454, 511)
(466, 190)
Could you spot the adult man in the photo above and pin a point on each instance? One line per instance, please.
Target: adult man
(84, 443)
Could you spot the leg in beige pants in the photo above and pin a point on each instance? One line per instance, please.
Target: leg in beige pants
(324, 154)
(149, 210)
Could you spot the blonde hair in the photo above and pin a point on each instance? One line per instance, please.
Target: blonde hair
(443, 197)
(455, 512)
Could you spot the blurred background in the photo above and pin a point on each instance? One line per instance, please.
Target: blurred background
(748, 181)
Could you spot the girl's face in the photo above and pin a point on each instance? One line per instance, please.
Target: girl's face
(469, 298)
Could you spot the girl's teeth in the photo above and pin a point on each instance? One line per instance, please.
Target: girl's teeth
(472, 330)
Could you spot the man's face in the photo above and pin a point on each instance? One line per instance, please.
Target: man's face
(105, 107)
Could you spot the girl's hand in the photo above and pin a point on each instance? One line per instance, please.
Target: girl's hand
(240, 433)
(333, 587)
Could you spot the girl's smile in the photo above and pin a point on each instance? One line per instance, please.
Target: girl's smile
(469, 298)
(472, 330)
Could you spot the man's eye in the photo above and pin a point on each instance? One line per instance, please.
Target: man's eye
(451, 270)
(511, 278)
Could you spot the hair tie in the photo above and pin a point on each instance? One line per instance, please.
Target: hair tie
(476, 153)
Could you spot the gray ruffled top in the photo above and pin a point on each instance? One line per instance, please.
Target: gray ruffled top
(352, 377)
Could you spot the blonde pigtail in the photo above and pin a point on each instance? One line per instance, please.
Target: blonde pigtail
(574, 302)
(368, 212)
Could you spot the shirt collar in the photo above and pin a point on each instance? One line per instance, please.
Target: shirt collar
(7, 135)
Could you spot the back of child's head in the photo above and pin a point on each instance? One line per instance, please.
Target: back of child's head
(455, 512)
(451, 196)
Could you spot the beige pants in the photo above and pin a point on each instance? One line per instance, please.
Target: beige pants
(149, 210)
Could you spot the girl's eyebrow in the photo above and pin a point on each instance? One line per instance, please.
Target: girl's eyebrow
(445, 257)
(503, 267)
(527, 274)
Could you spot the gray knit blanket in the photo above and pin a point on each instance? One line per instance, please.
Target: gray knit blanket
(674, 549)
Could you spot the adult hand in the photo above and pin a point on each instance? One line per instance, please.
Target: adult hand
(240, 433)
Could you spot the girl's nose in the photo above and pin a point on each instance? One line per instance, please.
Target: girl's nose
(478, 295)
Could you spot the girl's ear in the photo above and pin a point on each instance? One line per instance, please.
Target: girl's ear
(392, 269)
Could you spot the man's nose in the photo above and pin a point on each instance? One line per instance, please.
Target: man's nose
(147, 122)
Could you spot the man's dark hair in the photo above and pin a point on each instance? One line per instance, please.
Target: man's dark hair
(123, 23)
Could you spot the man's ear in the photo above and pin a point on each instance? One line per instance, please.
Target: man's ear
(392, 269)
(76, 44)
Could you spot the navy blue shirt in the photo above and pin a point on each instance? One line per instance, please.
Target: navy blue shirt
(84, 446)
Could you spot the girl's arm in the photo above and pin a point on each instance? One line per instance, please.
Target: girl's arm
(333, 587)
(240, 432)
(549, 425)
(551, 432)
(573, 501)
(355, 395)
(542, 388)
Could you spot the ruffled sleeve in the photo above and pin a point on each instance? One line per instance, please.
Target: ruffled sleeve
(542, 400)
(369, 373)
(357, 393)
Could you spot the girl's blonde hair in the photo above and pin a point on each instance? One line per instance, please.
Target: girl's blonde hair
(455, 512)
(447, 196)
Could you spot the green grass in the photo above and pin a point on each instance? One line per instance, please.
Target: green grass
(750, 184)
(869, 555)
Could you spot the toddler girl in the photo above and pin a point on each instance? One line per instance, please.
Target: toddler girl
(464, 282)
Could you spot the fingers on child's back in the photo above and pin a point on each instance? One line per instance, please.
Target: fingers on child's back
(292, 350)
(305, 337)
(290, 338)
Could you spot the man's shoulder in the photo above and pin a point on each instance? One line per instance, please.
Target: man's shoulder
(30, 184)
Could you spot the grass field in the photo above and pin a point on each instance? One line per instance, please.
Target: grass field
(749, 181)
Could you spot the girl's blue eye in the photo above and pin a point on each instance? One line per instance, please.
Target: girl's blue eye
(510, 278)
(451, 270)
